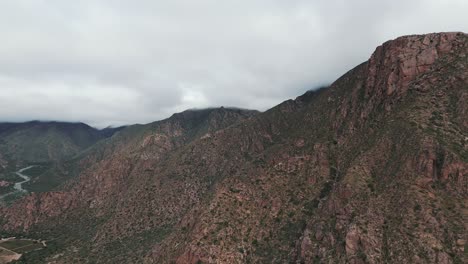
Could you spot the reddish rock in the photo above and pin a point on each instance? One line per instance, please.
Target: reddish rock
(4, 184)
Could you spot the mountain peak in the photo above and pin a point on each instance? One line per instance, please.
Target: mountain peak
(397, 62)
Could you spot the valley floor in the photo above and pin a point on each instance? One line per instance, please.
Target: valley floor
(12, 248)
(18, 186)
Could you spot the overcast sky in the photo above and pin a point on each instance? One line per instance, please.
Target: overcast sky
(121, 62)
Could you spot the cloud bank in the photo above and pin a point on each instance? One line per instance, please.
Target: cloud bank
(121, 62)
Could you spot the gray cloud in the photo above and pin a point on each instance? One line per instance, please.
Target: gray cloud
(118, 62)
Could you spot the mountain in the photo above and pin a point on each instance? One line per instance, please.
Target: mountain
(372, 169)
(36, 141)
(48, 145)
(166, 135)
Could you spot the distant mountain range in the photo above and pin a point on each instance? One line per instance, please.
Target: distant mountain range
(372, 169)
(37, 141)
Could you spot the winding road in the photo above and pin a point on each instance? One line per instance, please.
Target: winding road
(19, 185)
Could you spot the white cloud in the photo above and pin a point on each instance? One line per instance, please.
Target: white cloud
(118, 62)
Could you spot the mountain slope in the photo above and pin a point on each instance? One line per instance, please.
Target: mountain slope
(161, 136)
(371, 169)
(45, 144)
(46, 141)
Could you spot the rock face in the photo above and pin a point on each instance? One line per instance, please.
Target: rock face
(403, 59)
(372, 169)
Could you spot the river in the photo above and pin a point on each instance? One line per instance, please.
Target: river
(19, 185)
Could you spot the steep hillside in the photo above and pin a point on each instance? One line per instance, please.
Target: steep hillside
(47, 145)
(372, 169)
(161, 136)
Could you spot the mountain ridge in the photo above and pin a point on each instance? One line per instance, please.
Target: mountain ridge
(371, 169)
(33, 141)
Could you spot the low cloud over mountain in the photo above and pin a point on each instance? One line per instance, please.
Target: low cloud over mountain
(120, 62)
